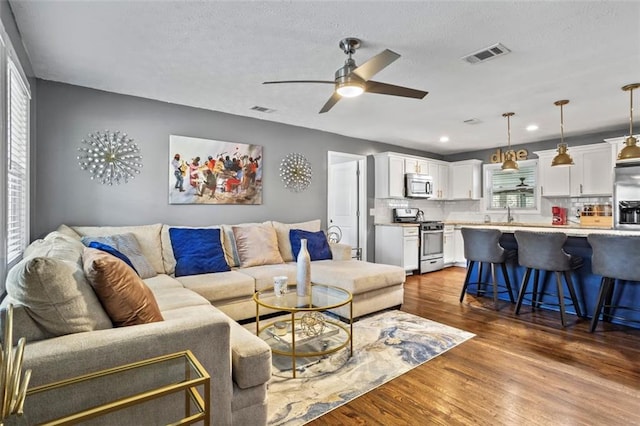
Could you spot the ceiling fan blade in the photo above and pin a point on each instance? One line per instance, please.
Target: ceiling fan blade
(330, 103)
(299, 81)
(390, 89)
(376, 64)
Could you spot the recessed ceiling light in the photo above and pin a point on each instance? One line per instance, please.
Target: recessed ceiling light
(444, 139)
(532, 127)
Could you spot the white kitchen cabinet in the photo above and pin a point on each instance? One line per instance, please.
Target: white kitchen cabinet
(439, 171)
(448, 246)
(459, 258)
(554, 181)
(416, 165)
(389, 175)
(591, 174)
(465, 180)
(398, 245)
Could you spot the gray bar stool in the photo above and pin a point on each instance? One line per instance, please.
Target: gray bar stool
(483, 246)
(542, 251)
(615, 257)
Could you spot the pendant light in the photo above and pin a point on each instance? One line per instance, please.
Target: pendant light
(631, 150)
(509, 164)
(562, 159)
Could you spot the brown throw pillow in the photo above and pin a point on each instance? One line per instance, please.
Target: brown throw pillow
(125, 297)
(257, 245)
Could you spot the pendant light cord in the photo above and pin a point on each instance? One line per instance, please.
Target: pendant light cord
(631, 112)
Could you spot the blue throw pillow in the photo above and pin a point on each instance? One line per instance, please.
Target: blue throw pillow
(197, 251)
(108, 249)
(317, 244)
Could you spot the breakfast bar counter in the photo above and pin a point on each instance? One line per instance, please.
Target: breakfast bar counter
(586, 282)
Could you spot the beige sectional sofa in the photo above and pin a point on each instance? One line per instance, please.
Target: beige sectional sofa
(199, 313)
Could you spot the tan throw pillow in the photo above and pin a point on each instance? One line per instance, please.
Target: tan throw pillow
(282, 230)
(257, 245)
(125, 297)
(56, 296)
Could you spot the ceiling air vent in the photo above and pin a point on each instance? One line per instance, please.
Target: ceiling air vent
(486, 54)
(262, 109)
(472, 121)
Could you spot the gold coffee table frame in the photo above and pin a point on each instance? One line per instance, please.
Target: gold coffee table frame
(321, 298)
(194, 375)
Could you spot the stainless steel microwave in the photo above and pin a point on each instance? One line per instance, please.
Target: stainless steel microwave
(418, 186)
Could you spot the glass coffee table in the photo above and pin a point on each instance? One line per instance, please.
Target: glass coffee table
(308, 331)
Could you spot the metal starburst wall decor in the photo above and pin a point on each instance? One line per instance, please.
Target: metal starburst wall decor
(110, 157)
(295, 172)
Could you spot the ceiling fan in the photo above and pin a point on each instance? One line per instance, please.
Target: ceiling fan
(352, 80)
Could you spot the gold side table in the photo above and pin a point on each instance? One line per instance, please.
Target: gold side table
(334, 334)
(154, 378)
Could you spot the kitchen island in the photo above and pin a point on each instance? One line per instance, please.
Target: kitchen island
(586, 283)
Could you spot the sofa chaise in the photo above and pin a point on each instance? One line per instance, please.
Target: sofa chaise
(69, 333)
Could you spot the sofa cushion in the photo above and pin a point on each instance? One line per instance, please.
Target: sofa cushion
(251, 358)
(162, 281)
(129, 246)
(197, 251)
(356, 276)
(282, 230)
(148, 236)
(124, 295)
(56, 245)
(257, 245)
(169, 259)
(263, 275)
(317, 244)
(176, 298)
(112, 251)
(220, 286)
(56, 295)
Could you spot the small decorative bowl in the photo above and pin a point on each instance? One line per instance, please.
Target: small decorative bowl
(280, 328)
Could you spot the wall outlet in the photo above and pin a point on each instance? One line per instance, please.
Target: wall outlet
(372, 212)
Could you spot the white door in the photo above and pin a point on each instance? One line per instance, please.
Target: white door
(346, 198)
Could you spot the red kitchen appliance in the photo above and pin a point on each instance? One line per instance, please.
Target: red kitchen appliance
(559, 215)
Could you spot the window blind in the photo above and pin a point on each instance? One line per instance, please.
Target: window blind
(18, 163)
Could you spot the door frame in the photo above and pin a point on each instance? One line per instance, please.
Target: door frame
(334, 157)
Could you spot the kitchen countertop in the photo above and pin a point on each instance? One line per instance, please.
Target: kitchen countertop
(397, 224)
(572, 230)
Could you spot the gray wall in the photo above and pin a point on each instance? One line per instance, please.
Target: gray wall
(578, 140)
(65, 194)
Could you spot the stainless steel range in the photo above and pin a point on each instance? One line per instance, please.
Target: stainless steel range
(431, 239)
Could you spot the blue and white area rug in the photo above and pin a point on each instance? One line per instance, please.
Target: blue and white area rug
(386, 345)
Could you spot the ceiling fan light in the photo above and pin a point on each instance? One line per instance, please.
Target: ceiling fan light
(562, 159)
(350, 90)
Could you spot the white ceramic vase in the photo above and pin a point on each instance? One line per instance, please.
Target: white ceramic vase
(303, 276)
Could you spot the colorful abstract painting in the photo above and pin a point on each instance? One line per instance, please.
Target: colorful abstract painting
(206, 171)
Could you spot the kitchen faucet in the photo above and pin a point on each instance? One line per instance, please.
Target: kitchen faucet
(509, 217)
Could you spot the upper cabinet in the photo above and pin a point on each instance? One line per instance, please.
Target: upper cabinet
(439, 171)
(591, 174)
(464, 180)
(416, 165)
(389, 175)
(460, 180)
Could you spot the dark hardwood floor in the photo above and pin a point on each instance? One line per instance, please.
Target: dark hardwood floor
(518, 370)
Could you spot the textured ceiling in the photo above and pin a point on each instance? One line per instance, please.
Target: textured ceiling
(215, 55)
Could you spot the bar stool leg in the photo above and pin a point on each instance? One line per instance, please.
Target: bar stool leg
(561, 299)
(507, 281)
(608, 301)
(572, 293)
(523, 290)
(480, 266)
(495, 286)
(535, 303)
(466, 279)
(601, 297)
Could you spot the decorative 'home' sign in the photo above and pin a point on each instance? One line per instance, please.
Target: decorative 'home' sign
(499, 156)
